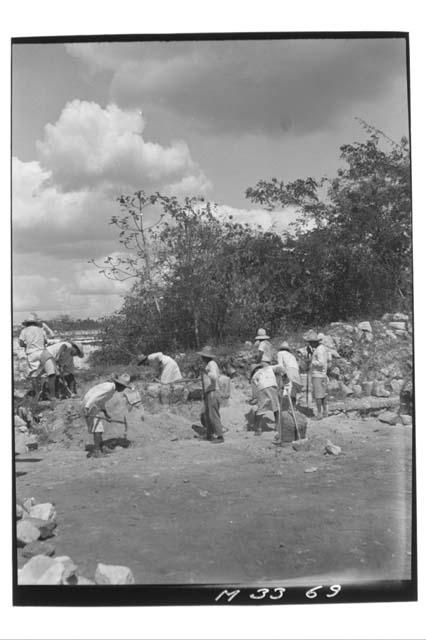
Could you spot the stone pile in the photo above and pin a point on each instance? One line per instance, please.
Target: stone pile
(35, 523)
(42, 570)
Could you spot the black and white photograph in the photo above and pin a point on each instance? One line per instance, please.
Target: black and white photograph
(212, 305)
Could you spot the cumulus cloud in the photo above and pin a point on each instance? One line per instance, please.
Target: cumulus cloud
(90, 146)
(296, 86)
(279, 220)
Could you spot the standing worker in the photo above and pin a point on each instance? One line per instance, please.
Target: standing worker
(94, 401)
(167, 368)
(210, 417)
(64, 354)
(318, 373)
(265, 351)
(292, 380)
(33, 339)
(265, 387)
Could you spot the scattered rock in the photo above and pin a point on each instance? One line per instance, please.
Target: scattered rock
(365, 326)
(400, 326)
(26, 533)
(379, 390)
(406, 420)
(113, 574)
(38, 548)
(401, 333)
(44, 511)
(387, 317)
(28, 503)
(20, 443)
(349, 328)
(33, 570)
(20, 511)
(367, 387)
(46, 527)
(311, 469)
(332, 449)
(389, 417)
(396, 386)
(81, 580)
(20, 424)
(400, 317)
(69, 572)
(357, 390)
(53, 575)
(301, 445)
(391, 335)
(345, 390)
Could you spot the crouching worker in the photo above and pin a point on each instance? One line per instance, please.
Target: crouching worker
(265, 386)
(94, 402)
(64, 354)
(210, 417)
(167, 369)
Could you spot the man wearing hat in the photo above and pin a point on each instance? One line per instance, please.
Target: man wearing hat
(292, 381)
(318, 373)
(264, 347)
(94, 401)
(33, 339)
(168, 369)
(64, 354)
(264, 382)
(210, 417)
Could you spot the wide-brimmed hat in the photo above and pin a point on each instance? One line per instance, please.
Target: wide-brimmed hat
(206, 352)
(255, 367)
(123, 380)
(79, 347)
(262, 335)
(284, 345)
(142, 358)
(31, 318)
(311, 336)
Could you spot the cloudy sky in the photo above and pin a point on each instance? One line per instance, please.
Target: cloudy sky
(92, 121)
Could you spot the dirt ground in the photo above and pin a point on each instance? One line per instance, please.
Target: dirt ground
(177, 509)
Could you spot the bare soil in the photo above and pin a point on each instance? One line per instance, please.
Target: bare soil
(177, 509)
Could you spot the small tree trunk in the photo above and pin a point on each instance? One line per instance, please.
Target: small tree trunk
(196, 330)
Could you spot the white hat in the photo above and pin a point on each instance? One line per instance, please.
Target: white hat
(261, 335)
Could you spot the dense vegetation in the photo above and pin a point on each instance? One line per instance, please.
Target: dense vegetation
(199, 278)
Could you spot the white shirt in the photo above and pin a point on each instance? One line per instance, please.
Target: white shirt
(287, 360)
(267, 352)
(211, 376)
(170, 371)
(319, 362)
(98, 395)
(33, 337)
(265, 377)
(61, 351)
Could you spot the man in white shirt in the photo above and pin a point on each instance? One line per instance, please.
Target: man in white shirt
(64, 354)
(168, 369)
(318, 373)
(265, 351)
(210, 417)
(33, 339)
(292, 380)
(265, 386)
(94, 401)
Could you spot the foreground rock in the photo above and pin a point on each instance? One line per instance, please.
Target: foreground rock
(38, 548)
(389, 417)
(43, 570)
(46, 528)
(301, 445)
(44, 511)
(26, 532)
(113, 574)
(332, 449)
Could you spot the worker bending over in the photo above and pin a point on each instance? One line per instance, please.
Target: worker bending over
(265, 386)
(291, 379)
(167, 369)
(64, 354)
(94, 402)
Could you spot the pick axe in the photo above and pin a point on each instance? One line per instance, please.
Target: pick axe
(124, 421)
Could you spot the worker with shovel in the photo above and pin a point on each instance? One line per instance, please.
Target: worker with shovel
(94, 402)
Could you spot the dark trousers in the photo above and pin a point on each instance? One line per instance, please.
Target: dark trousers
(210, 417)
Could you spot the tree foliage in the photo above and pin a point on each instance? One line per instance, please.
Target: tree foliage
(200, 278)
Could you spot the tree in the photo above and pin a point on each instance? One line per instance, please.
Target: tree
(356, 255)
